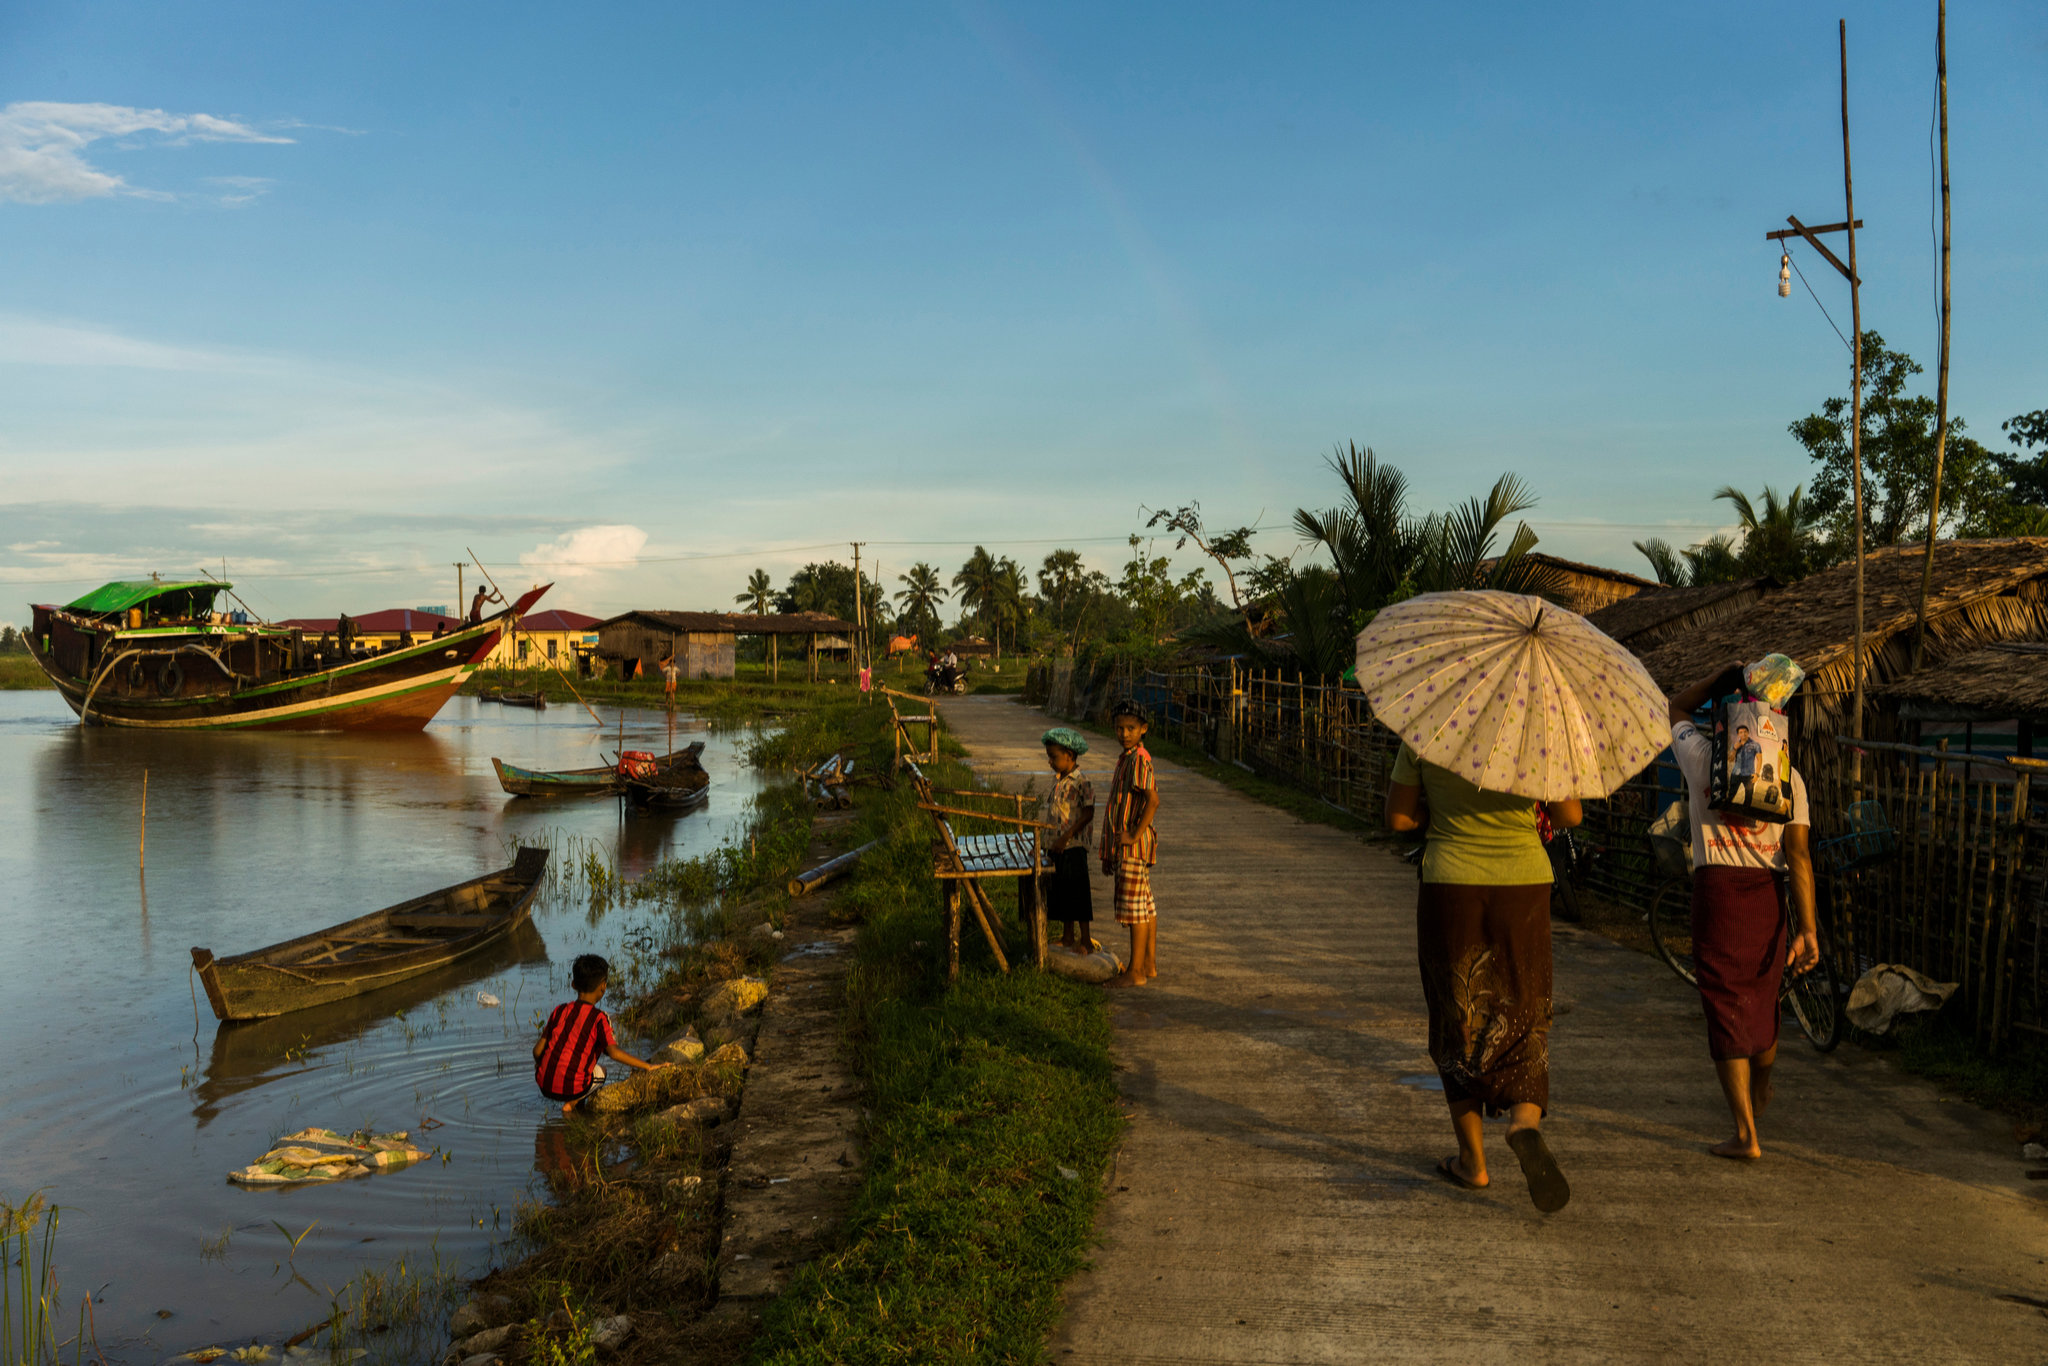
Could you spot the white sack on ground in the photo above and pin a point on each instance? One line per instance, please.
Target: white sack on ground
(1890, 990)
(1098, 966)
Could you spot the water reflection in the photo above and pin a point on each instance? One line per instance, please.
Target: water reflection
(248, 1053)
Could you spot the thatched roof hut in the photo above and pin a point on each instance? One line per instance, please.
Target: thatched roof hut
(1655, 615)
(2004, 682)
(1984, 593)
(1584, 588)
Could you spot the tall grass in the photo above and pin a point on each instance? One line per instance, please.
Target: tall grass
(28, 1286)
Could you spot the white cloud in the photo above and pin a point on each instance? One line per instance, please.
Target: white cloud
(36, 341)
(588, 550)
(42, 147)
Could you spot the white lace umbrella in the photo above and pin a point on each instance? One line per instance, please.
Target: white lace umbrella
(1512, 693)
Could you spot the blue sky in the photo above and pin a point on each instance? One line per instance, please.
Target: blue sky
(333, 292)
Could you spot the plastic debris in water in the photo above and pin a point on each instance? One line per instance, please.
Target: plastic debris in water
(488, 1001)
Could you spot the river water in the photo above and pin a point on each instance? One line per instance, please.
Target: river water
(127, 1105)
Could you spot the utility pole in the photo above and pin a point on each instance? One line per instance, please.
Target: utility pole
(1941, 368)
(1849, 224)
(859, 608)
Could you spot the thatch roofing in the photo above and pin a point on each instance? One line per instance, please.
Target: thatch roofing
(1591, 571)
(1657, 608)
(1983, 591)
(737, 623)
(2008, 680)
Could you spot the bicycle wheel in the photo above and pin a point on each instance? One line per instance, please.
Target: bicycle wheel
(1671, 926)
(1564, 900)
(1815, 1003)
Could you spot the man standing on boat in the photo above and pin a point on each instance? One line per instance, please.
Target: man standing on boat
(476, 604)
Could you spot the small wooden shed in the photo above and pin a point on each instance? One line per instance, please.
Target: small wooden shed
(704, 643)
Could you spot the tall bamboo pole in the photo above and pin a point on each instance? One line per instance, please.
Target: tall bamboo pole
(1856, 403)
(1941, 368)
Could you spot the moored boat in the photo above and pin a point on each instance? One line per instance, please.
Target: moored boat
(156, 654)
(374, 950)
(535, 700)
(584, 782)
(676, 789)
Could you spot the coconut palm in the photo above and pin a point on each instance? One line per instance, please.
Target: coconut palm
(1779, 538)
(918, 602)
(977, 582)
(759, 594)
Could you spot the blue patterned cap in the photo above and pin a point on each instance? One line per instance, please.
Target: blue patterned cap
(1068, 739)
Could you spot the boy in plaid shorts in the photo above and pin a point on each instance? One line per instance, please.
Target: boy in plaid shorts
(1130, 845)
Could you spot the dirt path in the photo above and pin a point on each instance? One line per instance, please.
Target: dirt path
(1274, 1200)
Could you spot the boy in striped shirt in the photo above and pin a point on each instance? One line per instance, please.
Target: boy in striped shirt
(565, 1055)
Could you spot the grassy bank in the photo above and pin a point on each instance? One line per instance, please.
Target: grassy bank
(965, 1225)
(980, 1095)
(18, 671)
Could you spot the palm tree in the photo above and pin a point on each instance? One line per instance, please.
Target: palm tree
(759, 593)
(1010, 587)
(918, 602)
(976, 581)
(1778, 539)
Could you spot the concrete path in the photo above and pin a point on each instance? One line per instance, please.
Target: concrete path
(1274, 1200)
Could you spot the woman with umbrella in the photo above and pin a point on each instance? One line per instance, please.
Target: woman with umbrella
(1502, 702)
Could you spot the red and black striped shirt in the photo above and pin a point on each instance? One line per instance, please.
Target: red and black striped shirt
(576, 1032)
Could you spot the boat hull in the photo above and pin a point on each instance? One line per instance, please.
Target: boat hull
(399, 691)
(282, 978)
(575, 782)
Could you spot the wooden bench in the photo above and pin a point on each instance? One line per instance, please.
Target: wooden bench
(961, 863)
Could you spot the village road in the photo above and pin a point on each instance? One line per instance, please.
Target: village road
(1274, 1201)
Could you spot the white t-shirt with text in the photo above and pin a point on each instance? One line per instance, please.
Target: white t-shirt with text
(1733, 842)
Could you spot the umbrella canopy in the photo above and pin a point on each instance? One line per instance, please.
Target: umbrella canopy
(1512, 693)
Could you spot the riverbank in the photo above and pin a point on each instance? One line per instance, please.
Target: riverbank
(990, 1112)
(19, 672)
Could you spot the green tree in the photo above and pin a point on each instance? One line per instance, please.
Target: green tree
(1072, 594)
(759, 594)
(1224, 547)
(1898, 461)
(977, 589)
(1778, 536)
(1157, 599)
(1713, 560)
(918, 602)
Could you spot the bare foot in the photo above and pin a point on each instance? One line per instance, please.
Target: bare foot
(1738, 1150)
(1124, 979)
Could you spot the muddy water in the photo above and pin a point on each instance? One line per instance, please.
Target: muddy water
(128, 1113)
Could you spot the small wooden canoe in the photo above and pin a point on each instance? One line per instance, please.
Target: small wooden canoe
(583, 782)
(672, 789)
(536, 701)
(374, 950)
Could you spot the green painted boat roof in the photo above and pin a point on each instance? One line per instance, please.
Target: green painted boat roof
(123, 594)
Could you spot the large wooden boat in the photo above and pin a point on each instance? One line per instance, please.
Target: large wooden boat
(583, 782)
(156, 654)
(374, 950)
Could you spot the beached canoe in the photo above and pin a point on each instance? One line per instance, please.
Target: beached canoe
(374, 950)
(583, 782)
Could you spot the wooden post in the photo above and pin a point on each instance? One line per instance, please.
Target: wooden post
(950, 895)
(142, 846)
(1941, 364)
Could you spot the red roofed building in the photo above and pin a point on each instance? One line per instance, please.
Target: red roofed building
(542, 636)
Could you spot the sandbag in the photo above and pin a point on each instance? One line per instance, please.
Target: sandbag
(1098, 966)
(1890, 990)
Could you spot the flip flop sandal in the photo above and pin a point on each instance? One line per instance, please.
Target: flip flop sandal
(1547, 1187)
(1450, 1173)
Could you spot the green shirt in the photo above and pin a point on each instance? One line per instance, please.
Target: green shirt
(1476, 837)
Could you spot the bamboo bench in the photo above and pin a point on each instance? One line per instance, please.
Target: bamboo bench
(908, 747)
(961, 863)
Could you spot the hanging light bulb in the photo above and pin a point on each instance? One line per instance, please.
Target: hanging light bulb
(1785, 276)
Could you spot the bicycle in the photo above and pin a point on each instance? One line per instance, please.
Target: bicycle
(1814, 996)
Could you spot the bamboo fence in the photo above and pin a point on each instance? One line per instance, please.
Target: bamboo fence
(1939, 861)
